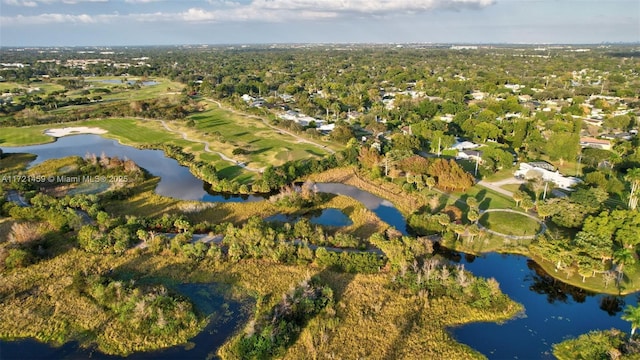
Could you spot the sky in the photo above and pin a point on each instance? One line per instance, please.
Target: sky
(175, 22)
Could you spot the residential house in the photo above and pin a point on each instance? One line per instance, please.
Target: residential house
(471, 155)
(589, 142)
(530, 170)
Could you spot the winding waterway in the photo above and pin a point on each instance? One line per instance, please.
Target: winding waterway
(175, 180)
(554, 311)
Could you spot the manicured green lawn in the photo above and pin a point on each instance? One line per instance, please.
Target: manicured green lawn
(44, 87)
(512, 187)
(488, 199)
(28, 135)
(264, 146)
(509, 223)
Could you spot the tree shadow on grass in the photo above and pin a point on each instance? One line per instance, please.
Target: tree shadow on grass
(338, 281)
(261, 150)
(485, 204)
(230, 172)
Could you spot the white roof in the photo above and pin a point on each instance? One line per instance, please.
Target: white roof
(464, 145)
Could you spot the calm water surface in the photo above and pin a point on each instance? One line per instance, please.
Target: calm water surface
(553, 311)
(327, 217)
(176, 180)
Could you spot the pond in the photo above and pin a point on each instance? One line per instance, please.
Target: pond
(225, 316)
(175, 180)
(326, 217)
(381, 207)
(554, 311)
(178, 182)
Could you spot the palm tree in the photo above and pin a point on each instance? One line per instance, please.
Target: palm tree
(623, 257)
(527, 204)
(544, 210)
(518, 196)
(585, 269)
(459, 229)
(472, 202)
(633, 176)
(430, 182)
(443, 220)
(473, 231)
(473, 216)
(632, 314)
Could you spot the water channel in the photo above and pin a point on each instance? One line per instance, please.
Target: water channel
(553, 310)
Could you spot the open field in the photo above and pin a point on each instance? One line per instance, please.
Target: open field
(509, 223)
(264, 146)
(39, 88)
(487, 198)
(223, 131)
(513, 187)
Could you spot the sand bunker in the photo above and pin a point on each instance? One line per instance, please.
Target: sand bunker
(74, 130)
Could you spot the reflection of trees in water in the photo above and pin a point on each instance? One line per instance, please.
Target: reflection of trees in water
(612, 304)
(555, 290)
(448, 254)
(469, 258)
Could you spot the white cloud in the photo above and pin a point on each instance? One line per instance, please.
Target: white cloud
(26, 3)
(257, 10)
(56, 18)
(34, 3)
(282, 10)
(141, 1)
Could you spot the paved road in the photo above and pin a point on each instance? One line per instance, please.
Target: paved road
(496, 185)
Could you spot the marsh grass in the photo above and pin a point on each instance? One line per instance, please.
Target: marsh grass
(369, 320)
(406, 203)
(13, 163)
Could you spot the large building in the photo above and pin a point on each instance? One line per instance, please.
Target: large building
(531, 170)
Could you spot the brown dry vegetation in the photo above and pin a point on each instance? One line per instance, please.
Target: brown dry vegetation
(369, 320)
(407, 204)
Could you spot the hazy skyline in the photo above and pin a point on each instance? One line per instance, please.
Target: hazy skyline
(171, 22)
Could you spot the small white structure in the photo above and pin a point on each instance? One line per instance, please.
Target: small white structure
(564, 182)
(471, 155)
(301, 119)
(327, 128)
(464, 145)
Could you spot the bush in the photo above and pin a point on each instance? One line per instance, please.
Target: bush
(279, 328)
(18, 258)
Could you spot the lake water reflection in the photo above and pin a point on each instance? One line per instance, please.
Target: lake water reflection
(176, 181)
(554, 311)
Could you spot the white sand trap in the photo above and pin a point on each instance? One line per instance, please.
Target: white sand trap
(74, 130)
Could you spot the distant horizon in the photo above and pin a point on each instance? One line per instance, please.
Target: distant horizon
(284, 44)
(72, 23)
